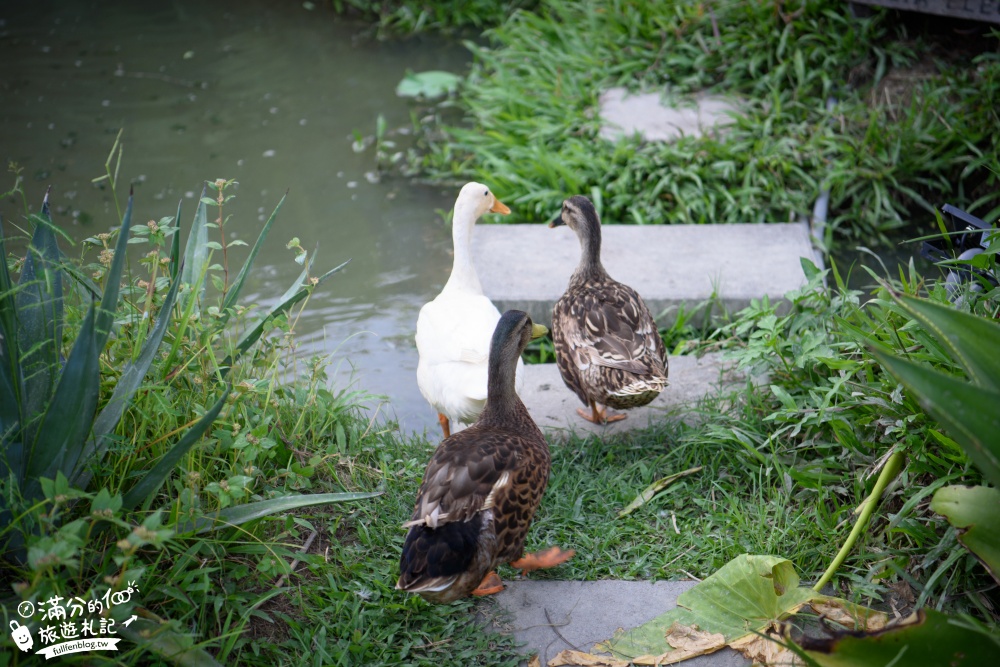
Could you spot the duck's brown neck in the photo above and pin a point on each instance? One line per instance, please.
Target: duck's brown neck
(590, 267)
(502, 403)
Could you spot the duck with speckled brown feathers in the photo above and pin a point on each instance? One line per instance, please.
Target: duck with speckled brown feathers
(481, 489)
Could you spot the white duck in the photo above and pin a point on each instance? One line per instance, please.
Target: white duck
(454, 330)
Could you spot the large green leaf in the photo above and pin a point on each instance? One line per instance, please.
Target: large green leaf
(432, 83)
(234, 292)
(972, 340)
(164, 641)
(975, 511)
(969, 413)
(746, 595)
(113, 281)
(254, 334)
(146, 488)
(129, 382)
(196, 249)
(234, 516)
(926, 639)
(69, 417)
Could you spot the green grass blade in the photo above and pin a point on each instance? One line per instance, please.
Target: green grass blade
(128, 384)
(69, 417)
(240, 514)
(144, 490)
(254, 334)
(112, 284)
(972, 340)
(234, 291)
(163, 640)
(10, 366)
(968, 413)
(175, 245)
(196, 250)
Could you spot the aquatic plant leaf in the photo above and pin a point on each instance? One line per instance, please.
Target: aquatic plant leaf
(196, 249)
(972, 340)
(146, 488)
(129, 382)
(163, 640)
(69, 417)
(927, 637)
(239, 514)
(433, 83)
(655, 488)
(973, 510)
(234, 291)
(112, 283)
(967, 412)
(748, 594)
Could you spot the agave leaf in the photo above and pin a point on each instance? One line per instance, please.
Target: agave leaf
(240, 514)
(112, 283)
(67, 421)
(973, 341)
(968, 413)
(254, 334)
(39, 307)
(164, 641)
(234, 292)
(128, 384)
(10, 367)
(145, 488)
(973, 510)
(196, 250)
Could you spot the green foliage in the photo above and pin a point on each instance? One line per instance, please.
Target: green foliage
(973, 511)
(530, 123)
(397, 17)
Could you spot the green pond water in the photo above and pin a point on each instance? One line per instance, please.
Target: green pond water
(269, 94)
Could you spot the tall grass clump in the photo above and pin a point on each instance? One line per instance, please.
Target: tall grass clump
(884, 120)
(406, 17)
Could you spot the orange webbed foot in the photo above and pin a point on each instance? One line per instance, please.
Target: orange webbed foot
(600, 415)
(544, 559)
(489, 585)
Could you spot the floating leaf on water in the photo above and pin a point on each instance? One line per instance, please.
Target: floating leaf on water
(434, 83)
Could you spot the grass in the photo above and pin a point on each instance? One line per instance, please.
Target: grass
(912, 119)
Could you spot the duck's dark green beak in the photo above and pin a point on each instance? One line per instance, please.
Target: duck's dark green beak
(558, 221)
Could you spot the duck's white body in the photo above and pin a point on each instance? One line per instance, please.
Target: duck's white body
(454, 330)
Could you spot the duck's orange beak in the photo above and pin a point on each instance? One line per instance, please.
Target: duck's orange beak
(499, 207)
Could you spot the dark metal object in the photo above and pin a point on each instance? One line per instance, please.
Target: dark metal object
(974, 10)
(970, 239)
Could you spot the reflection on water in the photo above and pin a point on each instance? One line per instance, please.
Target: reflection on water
(266, 93)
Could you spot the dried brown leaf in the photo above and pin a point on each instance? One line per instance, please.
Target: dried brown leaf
(534, 661)
(764, 650)
(850, 615)
(571, 657)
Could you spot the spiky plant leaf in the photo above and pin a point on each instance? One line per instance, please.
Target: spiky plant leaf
(234, 292)
(113, 280)
(196, 250)
(240, 514)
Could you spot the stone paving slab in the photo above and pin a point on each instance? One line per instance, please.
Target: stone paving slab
(553, 406)
(653, 116)
(528, 266)
(551, 616)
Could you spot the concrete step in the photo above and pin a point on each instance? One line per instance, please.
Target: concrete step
(527, 267)
(553, 406)
(550, 616)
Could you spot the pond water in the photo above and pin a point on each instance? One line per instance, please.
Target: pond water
(266, 93)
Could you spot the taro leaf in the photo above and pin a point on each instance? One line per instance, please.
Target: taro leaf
(967, 412)
(240, 514)
(112, 285)
(129, 382)
(196, 250)
(433, 83)
(69, 417)
(144, 490)
(974, 511)
(254, 334)
(748, 594)
(973, 341)
(927, 637)
(234, 292)
(164, 641)
(654, 489)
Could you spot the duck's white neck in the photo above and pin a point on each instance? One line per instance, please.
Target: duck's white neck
(463, 271)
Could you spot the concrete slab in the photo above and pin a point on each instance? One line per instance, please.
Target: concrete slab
(553, 406)
(551, 616)
(660, 117)
(528, 266)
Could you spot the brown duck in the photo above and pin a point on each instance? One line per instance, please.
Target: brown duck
(608, 349)
(481, 489)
